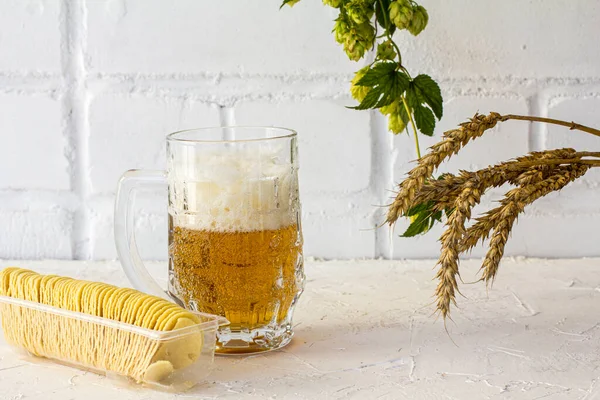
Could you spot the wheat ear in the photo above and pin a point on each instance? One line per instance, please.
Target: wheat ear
(451, 143)
(502, 218)
(481, 230)
(448, 262)
(444, 191)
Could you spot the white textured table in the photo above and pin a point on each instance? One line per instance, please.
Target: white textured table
(364, 331)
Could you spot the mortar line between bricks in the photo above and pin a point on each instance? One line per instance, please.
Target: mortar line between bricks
(227, 118)
(537, 105)
(381, 180)
(75, 114)
(218, 78)
(229, 115)
(475, 84)
(381, 175)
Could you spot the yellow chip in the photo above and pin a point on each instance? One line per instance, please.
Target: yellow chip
(154, 313)
(126, 304)
(171, 323)
(165, 315)
(67, 294)
(61, 290)
(132, 306)
(168, 323)
(5, 276)
(15, 279)
(46, 288)
(158, 371)
(88, 298)
(109, 302)
(105, 297)
(53, 289)
(184, 351)
(74, 295)
(117, 302)
(144, 308)
(21, 283)
(31, 285)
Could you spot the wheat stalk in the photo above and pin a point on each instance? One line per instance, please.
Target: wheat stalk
(534, 175)
(452, 142)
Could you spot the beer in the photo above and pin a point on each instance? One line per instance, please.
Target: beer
(247, 277)
(235, 244)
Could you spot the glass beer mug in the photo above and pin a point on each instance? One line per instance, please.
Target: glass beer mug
(235, 241)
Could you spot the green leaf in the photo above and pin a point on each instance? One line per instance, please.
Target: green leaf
(379, 13)
(290, 2)
(423, 219)
(375, 75)
(419, 208)
(393, 88)
(412, 97)
(430, 93)
(387, 88)
(382, 13)
(417, 227)
(403, 81)
(425, 120)
(370, 100)
(403, 114)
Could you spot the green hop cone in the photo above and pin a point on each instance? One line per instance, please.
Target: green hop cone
(359, 92)
(418, 21)
(358, 40)
(401, 13)
(385, 51)
(391, 108)
(366, 32)
(360, 11)
(354, 49)
(341, 30)
(395, 123)
(333, 3)
(356, 12)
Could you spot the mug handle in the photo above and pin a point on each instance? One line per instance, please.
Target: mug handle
(127, 249)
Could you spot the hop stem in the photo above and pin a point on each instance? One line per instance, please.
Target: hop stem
(414, 127)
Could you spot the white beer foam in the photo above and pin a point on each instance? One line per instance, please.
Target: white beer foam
(232, 190)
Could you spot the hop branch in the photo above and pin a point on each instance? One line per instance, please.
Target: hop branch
(385, 84)
(533, 176)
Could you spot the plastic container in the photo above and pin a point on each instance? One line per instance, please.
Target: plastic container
(167, 360)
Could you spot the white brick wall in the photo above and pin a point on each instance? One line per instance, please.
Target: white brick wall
(89, 89)
(32, 154)
(128, 130)
(30, 36)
